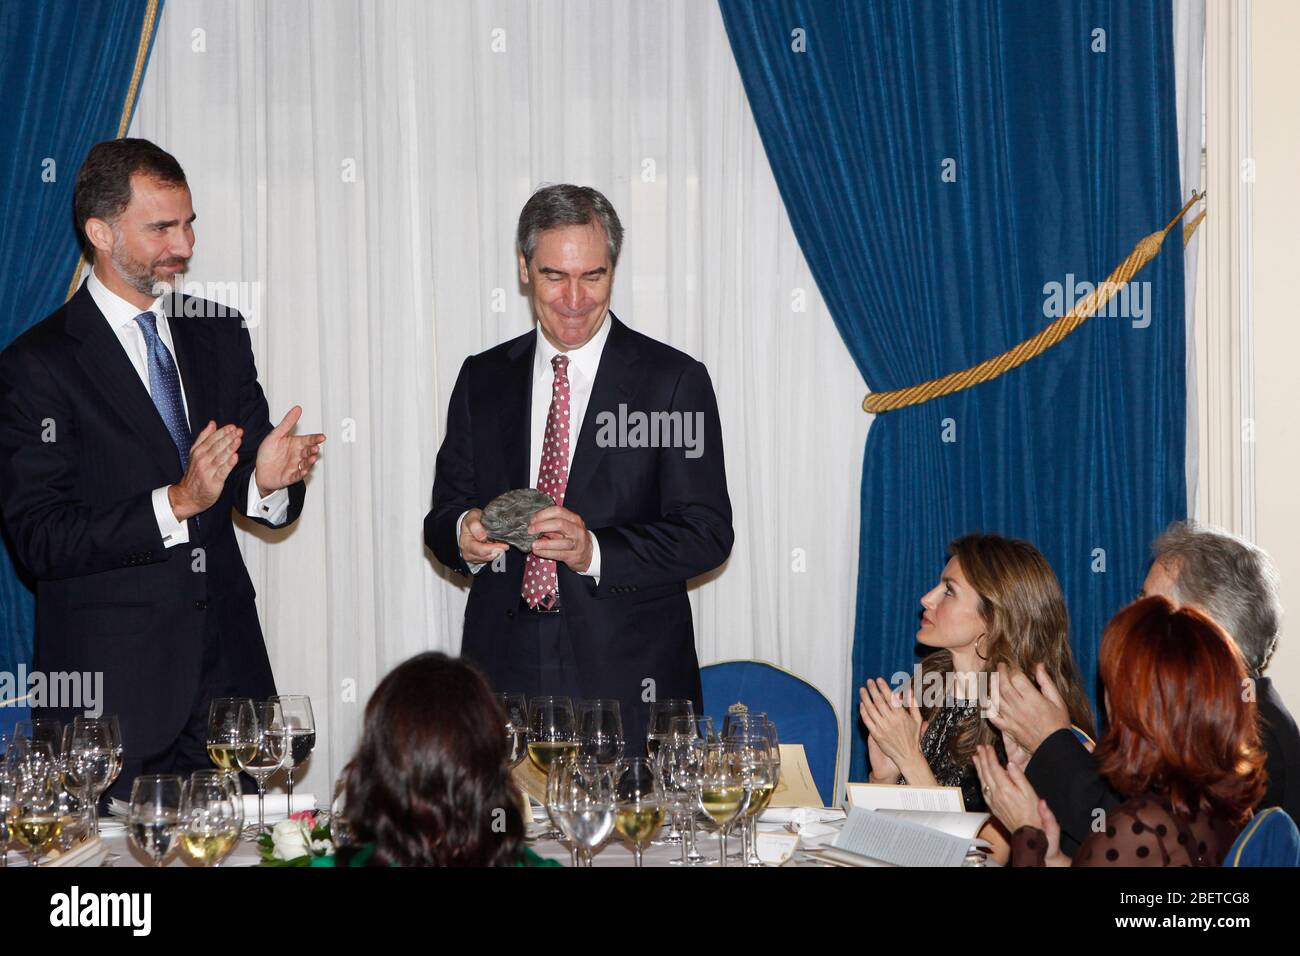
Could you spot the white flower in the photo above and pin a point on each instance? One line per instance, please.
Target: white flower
(322, 848)
(291, 839)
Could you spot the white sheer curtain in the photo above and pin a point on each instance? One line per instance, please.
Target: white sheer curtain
(359, 168)
(1189, 90)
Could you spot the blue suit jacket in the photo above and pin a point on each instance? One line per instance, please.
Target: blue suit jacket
(660, 516)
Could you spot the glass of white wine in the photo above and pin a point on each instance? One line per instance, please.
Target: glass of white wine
(232, 732)
(551, 730)
(212, 816)
(8, 801)
(155, 815)
(723, 796)
(272, 747)
(639, 805)
(37, 823)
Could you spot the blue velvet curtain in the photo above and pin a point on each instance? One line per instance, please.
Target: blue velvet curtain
(942, 161)
(66, 71)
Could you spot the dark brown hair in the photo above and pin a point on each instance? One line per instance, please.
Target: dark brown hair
(1182, 724)
(1022, 605)
(429, 784)
(103, 187)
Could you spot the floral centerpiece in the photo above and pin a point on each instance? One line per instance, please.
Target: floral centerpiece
(297, 840)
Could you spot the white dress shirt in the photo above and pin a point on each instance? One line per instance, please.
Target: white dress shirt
(583, 364)
(120, 315)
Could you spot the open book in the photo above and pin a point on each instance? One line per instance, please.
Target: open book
(910, 826)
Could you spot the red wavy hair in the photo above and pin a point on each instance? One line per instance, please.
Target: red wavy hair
(1183, 725)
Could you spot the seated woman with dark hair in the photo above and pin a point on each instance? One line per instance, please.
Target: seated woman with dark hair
(429, 785)
(1182, 748)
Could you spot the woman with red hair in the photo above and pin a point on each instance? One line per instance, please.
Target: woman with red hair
(1182, 747)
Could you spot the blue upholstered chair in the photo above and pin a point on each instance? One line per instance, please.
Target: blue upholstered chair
(802, 713)
(1269, 839)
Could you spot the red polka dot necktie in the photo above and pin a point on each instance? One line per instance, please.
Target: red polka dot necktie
(540, 583)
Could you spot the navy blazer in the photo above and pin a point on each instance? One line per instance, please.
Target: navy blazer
(659, 516)
(81, 449)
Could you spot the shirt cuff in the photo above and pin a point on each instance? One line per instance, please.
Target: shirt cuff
(593, 569)
(474, 566)
(173, 530)
(273, 508)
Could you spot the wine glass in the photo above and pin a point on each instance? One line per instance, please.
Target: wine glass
(740, 721)
(37, 823)
(753, 753)
(90, 764)
(232, 732)
(551, 730)
(587, 807)
(558, 789)
(70, 810)
(723, 796)
(115, 735)
(155, 815)
(8, 801)
(658, 727)
(46, 730)
(515, 707)
(660, 721)
(212, 816)
(272, 744)
(691, 735)
(302, 734)
(600, 732)
(638, 806)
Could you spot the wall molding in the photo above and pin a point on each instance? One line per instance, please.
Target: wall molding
(1225, 400)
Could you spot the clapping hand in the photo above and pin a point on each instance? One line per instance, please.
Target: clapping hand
(282, 458)
(895, 728)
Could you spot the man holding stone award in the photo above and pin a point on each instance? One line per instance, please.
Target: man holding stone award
(585, 597)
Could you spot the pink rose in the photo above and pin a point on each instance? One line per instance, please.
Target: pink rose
(309, 816)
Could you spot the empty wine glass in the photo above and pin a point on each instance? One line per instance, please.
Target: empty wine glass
(558, 791)
(659, 723)
(600, 732)
(91, 764)
(155, 815)
(639, 805)
(515, 707)
(301, 724)
(115, 735)
(690, 736)
(588, 806)
(272, 745)
(212, 816)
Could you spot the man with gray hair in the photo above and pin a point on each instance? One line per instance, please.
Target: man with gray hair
(598, 608)
(1236, 584)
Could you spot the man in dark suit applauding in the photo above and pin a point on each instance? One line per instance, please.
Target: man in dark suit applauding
(623, 432)
(132, 424)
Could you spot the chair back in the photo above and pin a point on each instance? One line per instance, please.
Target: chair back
(802, 713)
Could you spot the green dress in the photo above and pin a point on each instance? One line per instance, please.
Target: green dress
(362, 858)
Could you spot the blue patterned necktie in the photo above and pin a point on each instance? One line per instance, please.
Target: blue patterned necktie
(165, 387)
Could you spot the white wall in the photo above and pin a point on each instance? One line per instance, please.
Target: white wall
(1275, 214)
